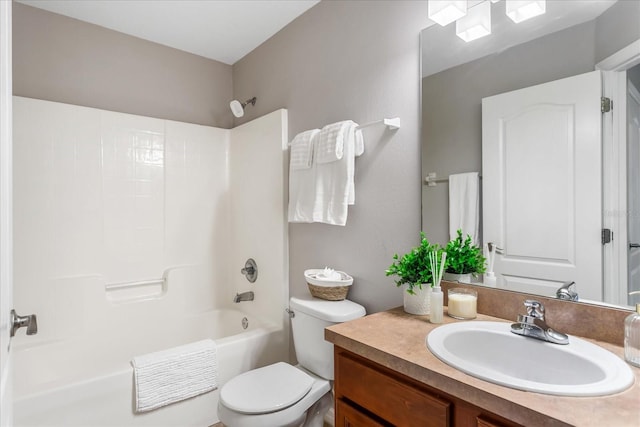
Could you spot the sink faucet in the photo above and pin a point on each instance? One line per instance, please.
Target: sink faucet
(533, 325)
(245, 296)
(567, 291)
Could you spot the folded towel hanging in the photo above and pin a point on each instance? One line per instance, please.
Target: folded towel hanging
(464, 205)
(301, 179)
(301, 149)
(359, 147)
(168, 376)
(331, 142)
(323, 192)
(335, 189)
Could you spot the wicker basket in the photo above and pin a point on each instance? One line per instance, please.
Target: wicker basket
(333, 293)
(331, 290)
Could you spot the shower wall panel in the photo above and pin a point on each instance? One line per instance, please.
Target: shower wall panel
(105, 198)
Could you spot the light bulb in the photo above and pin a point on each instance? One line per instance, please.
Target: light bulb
(445, 12)
(521, 10)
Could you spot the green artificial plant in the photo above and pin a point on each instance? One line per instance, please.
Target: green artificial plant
(463, 257)
(413, 268)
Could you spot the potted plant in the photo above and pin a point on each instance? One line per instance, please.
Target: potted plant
(413, 271)
(464, 259)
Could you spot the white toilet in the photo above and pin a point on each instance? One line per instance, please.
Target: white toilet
(282, 395)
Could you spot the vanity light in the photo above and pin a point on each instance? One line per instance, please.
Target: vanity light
(445, 12)
(476, 23)
(521, 10)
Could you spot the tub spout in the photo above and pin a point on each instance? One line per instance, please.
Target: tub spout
(245, 296)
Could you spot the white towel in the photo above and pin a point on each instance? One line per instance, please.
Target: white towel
(301, 150)
(359, 143)
(464, 205)
(331, 142)
(175, 374)
(302, 181)
(323, 192)
(358, 150)
(334, 188)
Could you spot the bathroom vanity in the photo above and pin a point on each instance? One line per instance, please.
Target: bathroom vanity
(369, 394)
(386, 375)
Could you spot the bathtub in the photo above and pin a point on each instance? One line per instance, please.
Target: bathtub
(89, 382)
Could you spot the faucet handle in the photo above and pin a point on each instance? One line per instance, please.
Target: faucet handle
(534, 308)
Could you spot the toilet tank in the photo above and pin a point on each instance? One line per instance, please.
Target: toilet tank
(311, 316)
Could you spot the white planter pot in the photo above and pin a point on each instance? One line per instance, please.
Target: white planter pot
(453, 277)
(419, 303)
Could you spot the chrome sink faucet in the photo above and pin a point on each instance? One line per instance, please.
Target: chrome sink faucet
(567, 291)
(533, 325)
(245, 296)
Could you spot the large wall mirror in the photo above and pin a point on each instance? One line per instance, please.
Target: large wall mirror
(543, 205)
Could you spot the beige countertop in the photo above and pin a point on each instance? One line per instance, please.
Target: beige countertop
(396, 340)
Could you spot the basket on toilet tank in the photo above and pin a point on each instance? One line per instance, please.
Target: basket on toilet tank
(328, 284)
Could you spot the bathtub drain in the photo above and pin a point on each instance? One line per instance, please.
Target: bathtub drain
(245, 323)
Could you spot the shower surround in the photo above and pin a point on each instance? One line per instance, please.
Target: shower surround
(130, 233)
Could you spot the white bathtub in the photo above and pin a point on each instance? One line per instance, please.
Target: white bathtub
(89, 382)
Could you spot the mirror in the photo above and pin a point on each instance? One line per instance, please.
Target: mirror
(456, 76)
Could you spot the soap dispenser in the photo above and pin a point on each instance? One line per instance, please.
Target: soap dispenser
(632, 337)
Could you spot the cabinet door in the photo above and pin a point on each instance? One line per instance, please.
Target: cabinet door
(386, 395)
(348, 416)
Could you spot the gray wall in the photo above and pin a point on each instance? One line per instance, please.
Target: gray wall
(57, 58)
(341, 60)
(354, 60)
(617, 27)
(452, 111)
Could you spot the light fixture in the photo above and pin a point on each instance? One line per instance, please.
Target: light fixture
(445, 12)
(521, 10)
(476, 23)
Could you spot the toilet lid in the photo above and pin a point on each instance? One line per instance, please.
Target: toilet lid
(269, 389)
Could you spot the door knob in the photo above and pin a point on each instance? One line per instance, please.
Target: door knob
(18, 322)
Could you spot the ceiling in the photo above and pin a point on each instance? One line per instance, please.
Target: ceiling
(223, 30)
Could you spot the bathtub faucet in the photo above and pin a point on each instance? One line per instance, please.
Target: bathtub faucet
(245, 296)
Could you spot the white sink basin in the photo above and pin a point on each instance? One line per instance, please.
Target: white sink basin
(490, 351)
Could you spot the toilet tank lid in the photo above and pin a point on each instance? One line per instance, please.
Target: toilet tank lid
(331, 311)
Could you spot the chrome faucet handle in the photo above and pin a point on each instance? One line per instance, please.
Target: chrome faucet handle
(534, 308)
(17, 322)
(567, 291)
(250, 270)
(533, 325)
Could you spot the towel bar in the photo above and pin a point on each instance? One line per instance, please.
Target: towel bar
(431, 180)
(391, 124)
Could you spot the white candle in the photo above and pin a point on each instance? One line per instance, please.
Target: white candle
(462, 306)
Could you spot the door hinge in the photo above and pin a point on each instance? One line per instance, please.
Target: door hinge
(607, 236)
(606, 104)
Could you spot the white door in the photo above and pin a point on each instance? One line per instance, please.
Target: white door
(541, 167)
(633, 192)
(5, 211)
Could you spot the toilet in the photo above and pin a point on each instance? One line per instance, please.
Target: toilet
(282, 395)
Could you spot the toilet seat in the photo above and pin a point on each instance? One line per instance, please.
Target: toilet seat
(264, 390)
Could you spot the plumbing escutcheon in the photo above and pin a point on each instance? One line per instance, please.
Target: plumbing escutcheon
(250, 270)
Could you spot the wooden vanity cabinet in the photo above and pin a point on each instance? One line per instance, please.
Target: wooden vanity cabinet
(368, 394)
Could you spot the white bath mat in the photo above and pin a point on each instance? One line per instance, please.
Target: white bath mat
(175, 374)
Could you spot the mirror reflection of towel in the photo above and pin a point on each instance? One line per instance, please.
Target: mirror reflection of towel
(464, 205)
